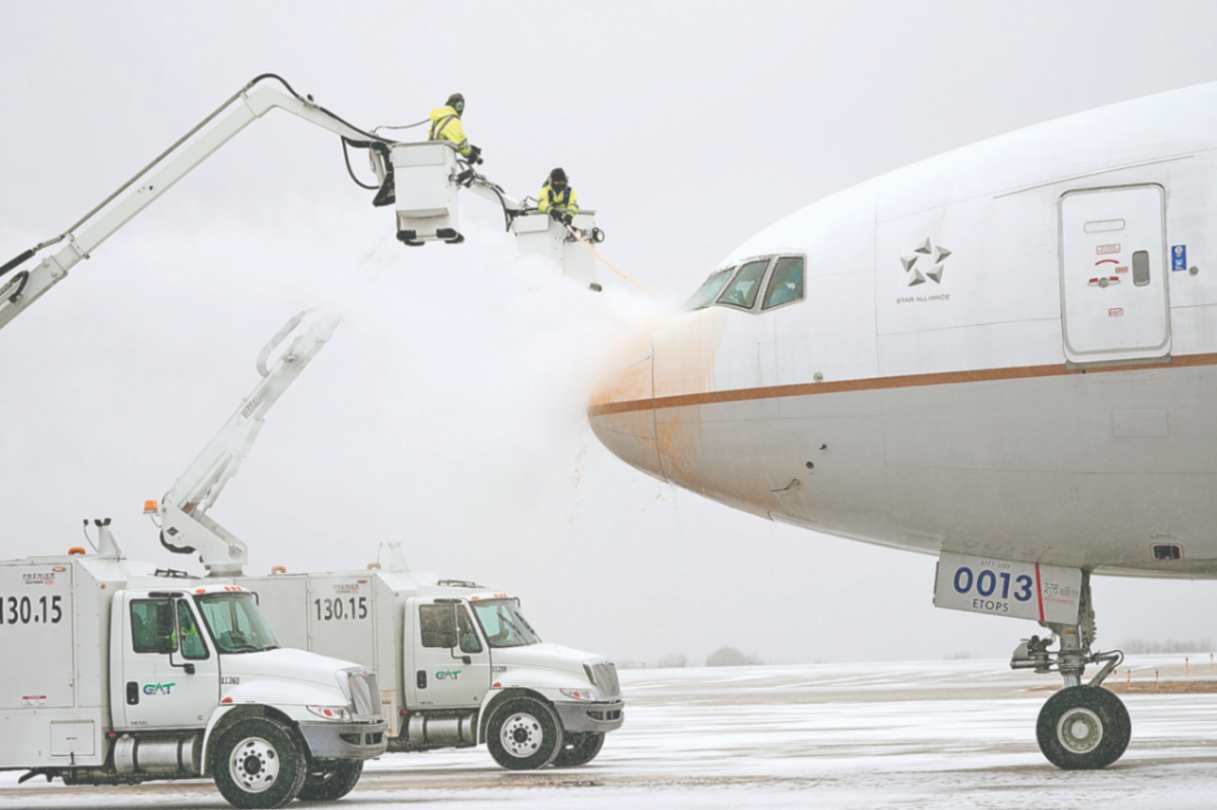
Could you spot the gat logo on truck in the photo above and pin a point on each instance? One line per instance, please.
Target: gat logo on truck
(447, 674)
(159, 688)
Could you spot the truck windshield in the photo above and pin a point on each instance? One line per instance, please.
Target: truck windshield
(504, 624)
(236, 623)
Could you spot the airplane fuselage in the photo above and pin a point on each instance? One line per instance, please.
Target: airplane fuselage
(1009, 350)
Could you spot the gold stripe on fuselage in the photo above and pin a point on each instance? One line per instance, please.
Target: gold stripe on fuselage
(901, 381)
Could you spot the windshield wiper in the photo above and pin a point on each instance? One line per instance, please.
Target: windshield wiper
(512, 625)
(530, 637)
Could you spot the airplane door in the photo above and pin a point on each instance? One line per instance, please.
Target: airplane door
(1114, 299)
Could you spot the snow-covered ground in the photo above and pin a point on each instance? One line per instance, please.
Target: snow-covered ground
(909, 735)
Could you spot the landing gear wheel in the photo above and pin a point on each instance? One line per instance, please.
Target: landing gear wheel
(258, 763)
(1083, 728)
(524, 734)
(332, 781)
(579, 749)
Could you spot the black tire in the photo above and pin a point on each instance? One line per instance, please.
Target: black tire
(579, 748)
(1083, 728)
(247, 751)
(532, 732)
(331, 781)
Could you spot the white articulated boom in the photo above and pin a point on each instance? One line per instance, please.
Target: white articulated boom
(83, 237)
(423, 179)
(182, 512)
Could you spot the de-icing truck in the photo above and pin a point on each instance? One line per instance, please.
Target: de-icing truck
(457, 664)
(121, 673)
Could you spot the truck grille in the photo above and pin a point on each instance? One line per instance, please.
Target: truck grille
(365, 695)
(604, 676)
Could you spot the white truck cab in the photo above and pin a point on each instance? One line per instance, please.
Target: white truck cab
(120, 673)
(458, 665)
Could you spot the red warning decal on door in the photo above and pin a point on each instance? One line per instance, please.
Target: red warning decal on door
(1115, 312)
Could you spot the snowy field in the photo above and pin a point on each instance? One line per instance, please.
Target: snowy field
(955, 734)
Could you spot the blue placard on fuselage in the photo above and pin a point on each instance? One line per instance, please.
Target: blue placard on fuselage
(1178, 258)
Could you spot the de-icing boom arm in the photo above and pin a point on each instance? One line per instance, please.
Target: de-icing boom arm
(185, 525)
(425, 201)
(251, 102)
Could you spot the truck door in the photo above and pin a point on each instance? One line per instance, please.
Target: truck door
(170, 672)
(449, 660)
(1114, 299)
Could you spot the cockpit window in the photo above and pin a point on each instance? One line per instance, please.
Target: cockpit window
(708, 291)
(786, 283)
(743, 289)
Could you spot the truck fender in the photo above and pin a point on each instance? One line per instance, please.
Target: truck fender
(225, 715)
(493, 697)
(213, 722)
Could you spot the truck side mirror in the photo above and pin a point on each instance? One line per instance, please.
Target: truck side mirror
(439, 625)
(173, 644)
(448, 637)
(447, 631)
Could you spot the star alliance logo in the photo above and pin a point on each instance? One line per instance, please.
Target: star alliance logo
(934, 273)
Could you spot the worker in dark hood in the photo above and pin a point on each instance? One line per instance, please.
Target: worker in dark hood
(446, 126)
(557, 198)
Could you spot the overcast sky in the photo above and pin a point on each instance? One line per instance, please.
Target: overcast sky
(447, 413)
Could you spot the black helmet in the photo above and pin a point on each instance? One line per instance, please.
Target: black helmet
(456, 101)
(557, 176)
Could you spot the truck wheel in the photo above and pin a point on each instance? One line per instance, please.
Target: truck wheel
(579, 749)
(258, 763)
(524, 734)
(332, 781)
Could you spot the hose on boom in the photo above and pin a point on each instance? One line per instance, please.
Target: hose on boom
(16, 260)
(346, 156)
(176, 549)
(306, 99)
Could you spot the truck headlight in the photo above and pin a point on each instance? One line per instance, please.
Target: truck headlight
(580, 694)
(338, 713)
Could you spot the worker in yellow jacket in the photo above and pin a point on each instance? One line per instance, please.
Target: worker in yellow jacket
(446, 126)
(557, 198)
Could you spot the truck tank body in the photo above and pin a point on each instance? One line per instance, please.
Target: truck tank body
(54, 625)
(357, 616)
(348, 615)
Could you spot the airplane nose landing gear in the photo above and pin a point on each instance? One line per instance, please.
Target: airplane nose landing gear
(1083, 726)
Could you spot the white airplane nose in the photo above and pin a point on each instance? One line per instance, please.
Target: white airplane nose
(621, 411)
(646, 409)
(661, 408)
